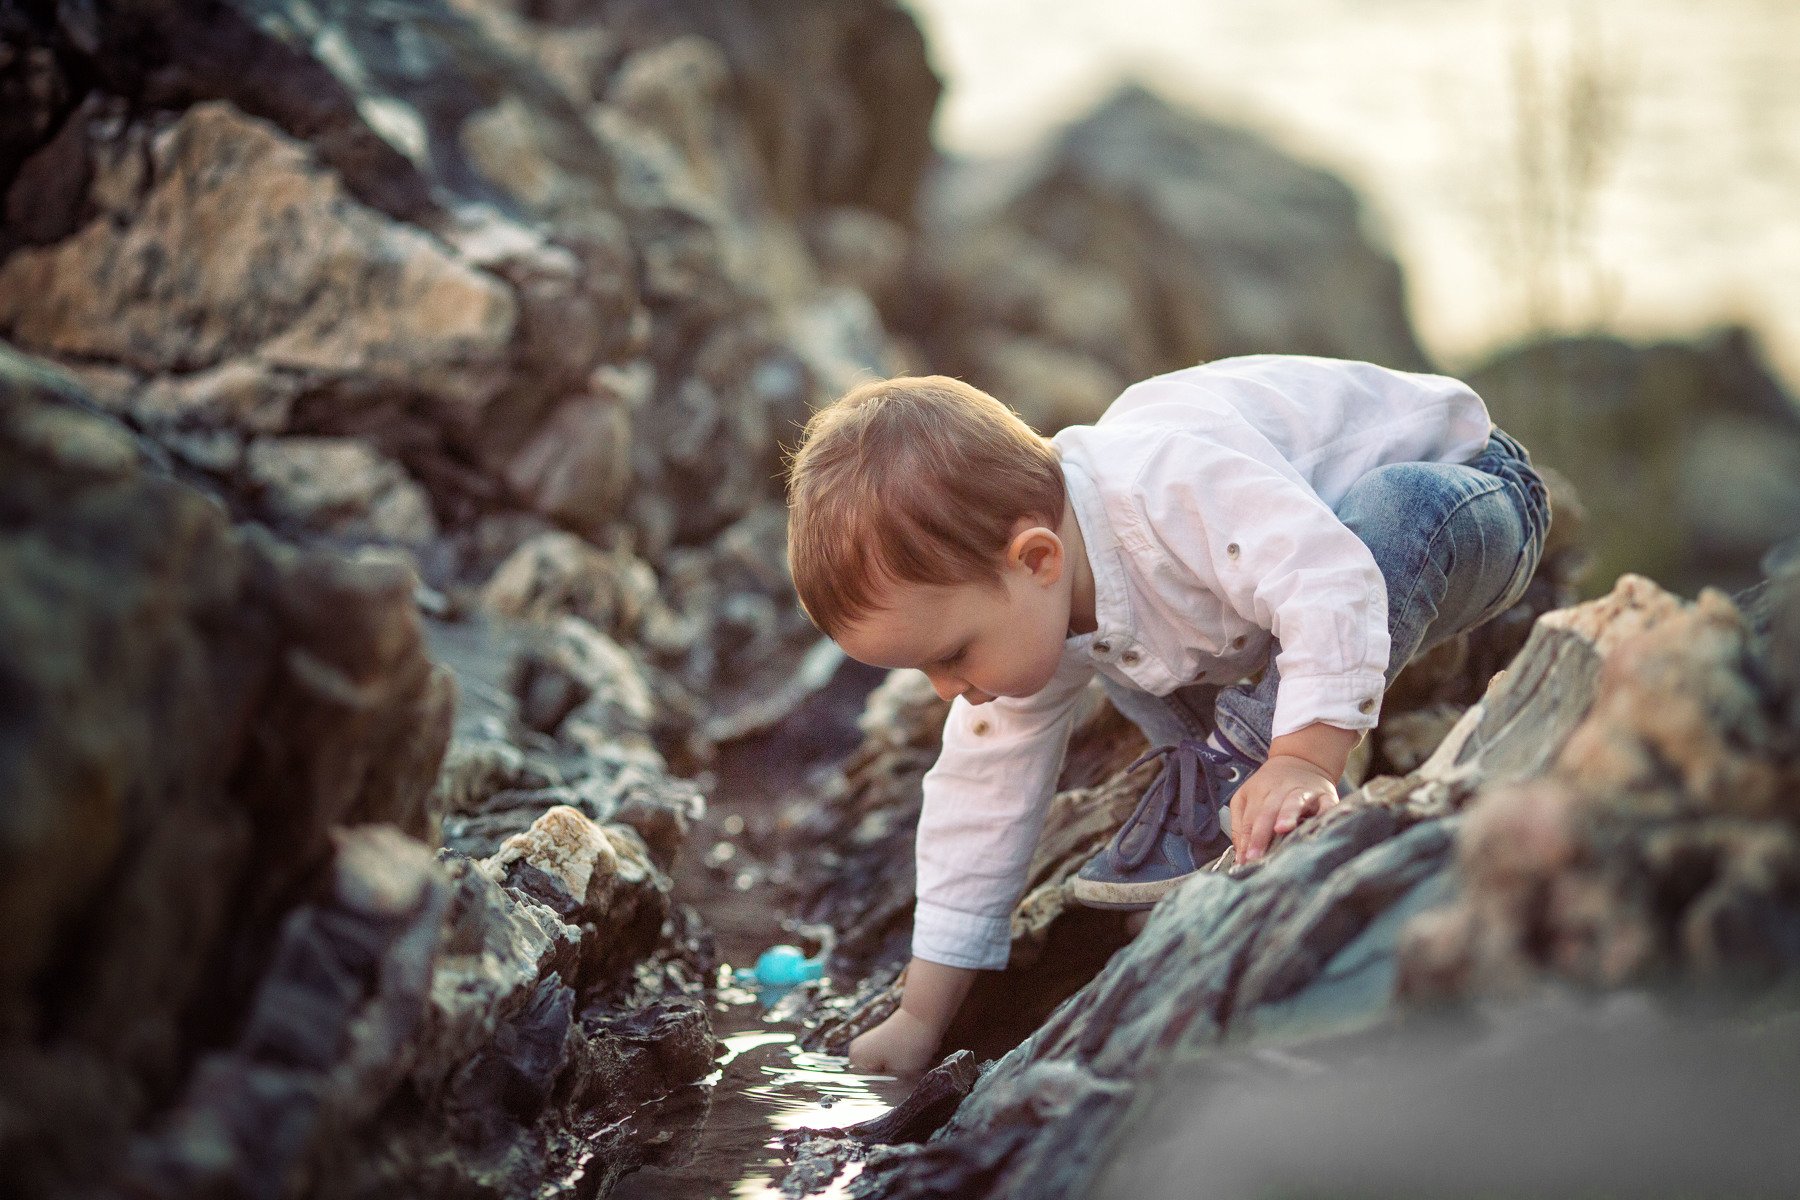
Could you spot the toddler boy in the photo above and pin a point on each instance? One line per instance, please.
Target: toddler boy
(1312, 523)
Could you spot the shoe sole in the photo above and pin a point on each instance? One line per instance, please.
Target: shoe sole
(1096, 893)
(1132, 897)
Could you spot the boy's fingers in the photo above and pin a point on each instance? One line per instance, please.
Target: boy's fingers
(1296, 808)
(1240, 825)
(1262, 832)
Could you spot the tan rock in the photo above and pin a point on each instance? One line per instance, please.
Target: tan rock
(565, 843)
(244, 247)
(576, 467)
(1664, 836)
(342, 486)
(558, 573)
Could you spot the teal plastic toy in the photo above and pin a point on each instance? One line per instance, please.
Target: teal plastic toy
(781, 967)
(784, 966)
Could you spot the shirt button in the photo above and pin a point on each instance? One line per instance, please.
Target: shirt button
(1103, 647)
(1367, 706)
(1237, 643)
(1232, 549)
(980, 727)
(1129, 657)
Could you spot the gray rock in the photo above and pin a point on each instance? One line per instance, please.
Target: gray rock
(1142, 239)
(1682, 451)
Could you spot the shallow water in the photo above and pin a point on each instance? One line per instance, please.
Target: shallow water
(764, 1085)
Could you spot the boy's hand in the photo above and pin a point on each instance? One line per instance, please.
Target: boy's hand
(900, 1045)
(1283, 792)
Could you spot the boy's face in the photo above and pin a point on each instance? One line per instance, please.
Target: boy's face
(974, 640)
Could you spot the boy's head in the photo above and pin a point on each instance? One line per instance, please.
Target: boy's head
(922, 511)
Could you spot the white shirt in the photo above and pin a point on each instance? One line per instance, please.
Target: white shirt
(1205, 500)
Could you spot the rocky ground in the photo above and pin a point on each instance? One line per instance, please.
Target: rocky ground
(392, 400)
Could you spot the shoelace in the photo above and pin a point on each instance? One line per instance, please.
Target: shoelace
(1174, 787)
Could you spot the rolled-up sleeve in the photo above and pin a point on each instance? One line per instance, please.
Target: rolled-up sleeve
(1282, 560)
(984, 806)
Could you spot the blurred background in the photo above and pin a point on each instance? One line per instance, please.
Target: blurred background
(1583, 170)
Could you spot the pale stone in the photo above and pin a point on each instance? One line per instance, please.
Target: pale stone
(341, 485)
(244, 246)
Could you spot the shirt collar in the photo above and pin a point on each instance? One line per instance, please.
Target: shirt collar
(1112, 611)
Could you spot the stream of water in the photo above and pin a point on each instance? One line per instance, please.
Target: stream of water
(764, 1084)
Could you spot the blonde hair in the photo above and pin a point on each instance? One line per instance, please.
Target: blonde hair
(918, 479)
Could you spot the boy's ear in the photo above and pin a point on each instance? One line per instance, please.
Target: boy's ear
(1039, 551)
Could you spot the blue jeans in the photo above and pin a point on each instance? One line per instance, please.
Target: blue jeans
(1457, 545)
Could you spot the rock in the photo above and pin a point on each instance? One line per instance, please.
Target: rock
(582, 686)
(558, 573)
(926, 1107)
(1679, 735)
(1738, 489)
(1141, 240)
(327, 1037)
(1669, 1106)
(340, 486)
(235, 245)
(575, 468)
(1407, 739)
(218, 877)
(476, 770)
(195, 713)
(838, 98)
(1683, 451)
(523, 260)
(597, 877)
(522, 1074)
(862, 250)
(818, 1156)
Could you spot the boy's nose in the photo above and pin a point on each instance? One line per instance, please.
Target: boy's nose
(946, 687)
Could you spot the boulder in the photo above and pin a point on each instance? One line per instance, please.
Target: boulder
(407, 275)
(1684, 451)
(194, 713)
(1141, 239)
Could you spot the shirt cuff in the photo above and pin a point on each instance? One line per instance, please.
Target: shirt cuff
(1346, 701)
(959, 939)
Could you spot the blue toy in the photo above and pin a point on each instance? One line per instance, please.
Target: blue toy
(784, 966)
(779, 968)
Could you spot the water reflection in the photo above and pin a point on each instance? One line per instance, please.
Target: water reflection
(763, 1085)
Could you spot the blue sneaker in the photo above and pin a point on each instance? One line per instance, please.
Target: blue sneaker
(1173, 833)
